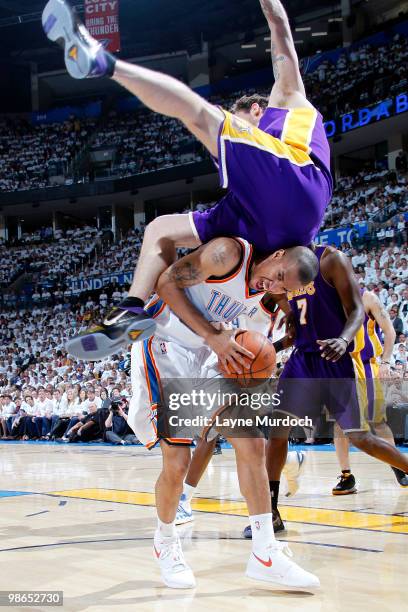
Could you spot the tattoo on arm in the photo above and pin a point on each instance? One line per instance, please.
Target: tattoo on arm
(275, 62)
(183, 274)
(219, 256)
(273, 10)
(384, 314)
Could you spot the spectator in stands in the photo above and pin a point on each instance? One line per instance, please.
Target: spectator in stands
(88, 428)
(117, 428)
(396, 321)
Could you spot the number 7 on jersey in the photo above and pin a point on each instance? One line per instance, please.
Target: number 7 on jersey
(302, 306)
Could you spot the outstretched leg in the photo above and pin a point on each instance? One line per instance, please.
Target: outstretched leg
(379, 448)
(383, 430)
(168, 96)
(85, 58)
(158, 252)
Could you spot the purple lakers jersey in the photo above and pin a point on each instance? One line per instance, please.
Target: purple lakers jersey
(318, 312)
(302, 128)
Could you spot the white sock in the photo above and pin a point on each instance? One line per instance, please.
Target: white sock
(188, 492)
(167, 530)
(262, 531)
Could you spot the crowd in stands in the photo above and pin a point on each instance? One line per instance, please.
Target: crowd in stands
(29, 154)
(46, 394)
(371, 195)
(359, 77)
(59, 257)
(144, 141)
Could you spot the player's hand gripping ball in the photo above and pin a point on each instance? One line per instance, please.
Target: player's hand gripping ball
(261, 367)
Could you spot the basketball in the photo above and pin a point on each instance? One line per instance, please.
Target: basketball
(262, 365)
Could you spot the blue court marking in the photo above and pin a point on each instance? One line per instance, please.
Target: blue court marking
(304, 447)
(63, 502)
(325, 448)
(149, 538)
(14, 493)
(62, 444)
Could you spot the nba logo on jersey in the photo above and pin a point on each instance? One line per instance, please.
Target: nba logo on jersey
(163, 348)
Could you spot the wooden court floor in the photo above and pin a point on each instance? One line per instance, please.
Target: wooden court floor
(81, 518)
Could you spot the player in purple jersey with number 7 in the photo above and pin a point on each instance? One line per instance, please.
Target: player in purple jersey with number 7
(273, 157)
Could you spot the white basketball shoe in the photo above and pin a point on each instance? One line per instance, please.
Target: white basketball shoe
(184, 511)
(292, 470)
(175, 572)
(275, 565)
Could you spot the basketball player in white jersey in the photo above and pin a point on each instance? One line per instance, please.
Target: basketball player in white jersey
(267, 322)
(213, 285)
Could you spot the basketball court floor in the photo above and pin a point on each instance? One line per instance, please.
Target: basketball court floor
(80, 519)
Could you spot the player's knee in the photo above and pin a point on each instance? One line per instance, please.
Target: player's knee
(254, 452)
(361, 439)
(177, 469)
(156, 229)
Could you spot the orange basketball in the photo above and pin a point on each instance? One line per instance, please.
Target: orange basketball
(262, 365)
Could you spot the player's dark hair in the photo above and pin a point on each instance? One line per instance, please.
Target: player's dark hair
(245, 103)
(307, 263)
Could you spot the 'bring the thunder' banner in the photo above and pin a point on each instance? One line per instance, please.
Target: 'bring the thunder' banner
(102, 21)
(92, 283)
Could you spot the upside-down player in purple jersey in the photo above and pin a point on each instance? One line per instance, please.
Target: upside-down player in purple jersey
(273, 157)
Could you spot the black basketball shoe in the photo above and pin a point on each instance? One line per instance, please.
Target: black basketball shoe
(123, 325)
(346, 484)
(278, 525)
(401, 477)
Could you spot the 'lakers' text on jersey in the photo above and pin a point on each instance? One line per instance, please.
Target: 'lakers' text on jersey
(318, 311)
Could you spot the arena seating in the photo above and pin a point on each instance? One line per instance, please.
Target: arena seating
(32, 354)
(370, 195)
(59, 258)
(144, 142)
(29, 155)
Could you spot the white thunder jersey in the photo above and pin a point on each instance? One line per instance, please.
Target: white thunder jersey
(219, 300)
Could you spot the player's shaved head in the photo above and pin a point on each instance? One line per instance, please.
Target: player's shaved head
(306, 262)
(284, 270)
